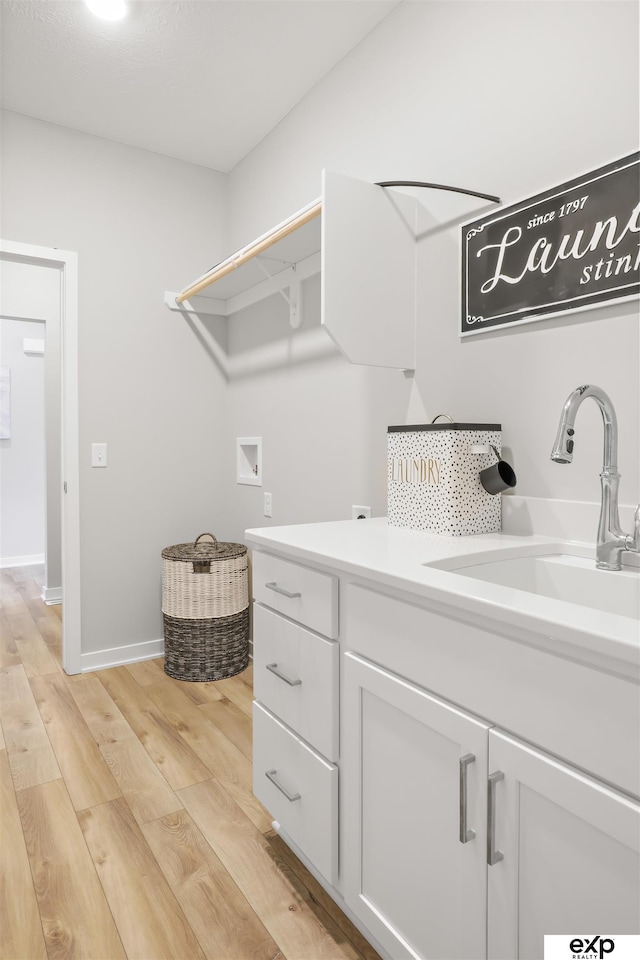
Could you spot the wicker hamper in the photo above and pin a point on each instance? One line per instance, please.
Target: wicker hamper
(205, 609)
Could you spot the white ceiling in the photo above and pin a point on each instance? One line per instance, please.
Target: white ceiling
(200, 80)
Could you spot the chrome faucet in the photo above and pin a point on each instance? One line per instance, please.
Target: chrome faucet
(612, 542)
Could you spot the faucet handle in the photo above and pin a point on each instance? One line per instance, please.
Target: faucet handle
(634, 539)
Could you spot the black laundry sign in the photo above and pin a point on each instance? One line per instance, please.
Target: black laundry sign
(569, 248)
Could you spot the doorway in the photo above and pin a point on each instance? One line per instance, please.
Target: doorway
(30, 421)
(66, 262)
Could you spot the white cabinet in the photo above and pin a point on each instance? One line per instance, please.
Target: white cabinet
(554, 851)
(414, 778)
(460, 791)
(368, 271)
(295, 716)
(570, 853)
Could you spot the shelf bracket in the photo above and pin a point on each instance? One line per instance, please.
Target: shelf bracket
(293, 297)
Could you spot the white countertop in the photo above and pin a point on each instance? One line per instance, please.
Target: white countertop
(395, 558)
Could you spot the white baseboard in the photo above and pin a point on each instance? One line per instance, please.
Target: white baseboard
(51, 595)
(120, 656)
(28, 561)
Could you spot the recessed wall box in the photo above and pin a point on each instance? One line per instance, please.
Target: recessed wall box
(249, 460)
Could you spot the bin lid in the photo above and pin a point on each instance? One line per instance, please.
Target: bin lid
(412, 427)
(200, 549)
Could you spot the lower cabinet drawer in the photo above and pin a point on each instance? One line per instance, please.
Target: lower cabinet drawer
(300, 592)
(295, 675)
(299, 788)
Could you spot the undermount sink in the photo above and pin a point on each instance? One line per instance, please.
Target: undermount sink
(561, 576)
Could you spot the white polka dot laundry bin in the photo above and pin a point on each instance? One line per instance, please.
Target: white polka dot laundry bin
(433, 480)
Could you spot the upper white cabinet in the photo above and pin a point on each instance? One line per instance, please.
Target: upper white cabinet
(368, 271)
(361, 238)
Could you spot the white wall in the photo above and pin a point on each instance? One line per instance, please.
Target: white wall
(322, 421)
(504, 97)
(141, 224)
(507, 97)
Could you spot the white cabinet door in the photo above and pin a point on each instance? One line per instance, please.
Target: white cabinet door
(368, 271)
(407, 875)
(570, 853)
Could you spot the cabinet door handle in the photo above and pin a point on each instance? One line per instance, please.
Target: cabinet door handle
(465, 833)
(271, 775)
(273, 667)
(493, 855)
(285, 593)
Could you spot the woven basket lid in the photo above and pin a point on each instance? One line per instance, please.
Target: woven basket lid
(204, 550)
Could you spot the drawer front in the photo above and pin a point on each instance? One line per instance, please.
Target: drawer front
(300, 791)
(295, 675)
(304, 594)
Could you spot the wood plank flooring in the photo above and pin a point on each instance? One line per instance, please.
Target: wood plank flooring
(128, 826)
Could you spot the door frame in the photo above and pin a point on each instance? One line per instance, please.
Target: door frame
(67, 262)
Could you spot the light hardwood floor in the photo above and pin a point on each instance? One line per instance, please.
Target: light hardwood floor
(128, 826)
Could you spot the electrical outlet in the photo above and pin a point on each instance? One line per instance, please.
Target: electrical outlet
(360, 513)
(267, 504)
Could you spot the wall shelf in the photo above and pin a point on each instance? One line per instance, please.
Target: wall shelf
(287, 262)
(275, 237)
(361, 238)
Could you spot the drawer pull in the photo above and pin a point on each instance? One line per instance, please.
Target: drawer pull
(285, 593)
(271, 775)
(273, 667)
(466, 834)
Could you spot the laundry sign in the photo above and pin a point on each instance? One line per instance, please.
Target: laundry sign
(570, 248)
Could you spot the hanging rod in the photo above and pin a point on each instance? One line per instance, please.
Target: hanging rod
(437, 186)
(251, 250)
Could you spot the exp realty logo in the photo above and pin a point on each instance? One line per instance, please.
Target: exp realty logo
(591, 947)
(584, 948)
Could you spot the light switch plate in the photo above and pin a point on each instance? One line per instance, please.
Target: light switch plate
(98, 454)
